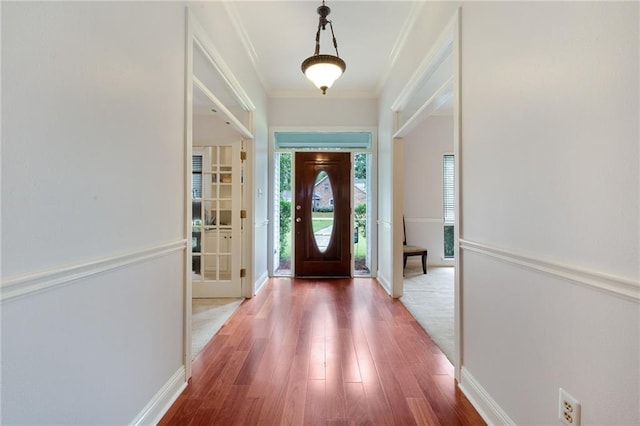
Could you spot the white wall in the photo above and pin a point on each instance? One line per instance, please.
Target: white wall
(424, 148)
(92, 208)
(549, 173)
(322, 111)
(550, 182)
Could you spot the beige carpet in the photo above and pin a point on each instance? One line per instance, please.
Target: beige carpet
(207, 317)
(430, 298)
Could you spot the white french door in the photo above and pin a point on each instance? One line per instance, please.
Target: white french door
(216, 228)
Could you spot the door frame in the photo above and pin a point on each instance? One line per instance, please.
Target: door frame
(449, 38)
(372, 209)
(196, 34)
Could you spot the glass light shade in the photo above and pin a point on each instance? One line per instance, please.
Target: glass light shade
(323, 70)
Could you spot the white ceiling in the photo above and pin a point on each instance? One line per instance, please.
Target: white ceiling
(279, 35)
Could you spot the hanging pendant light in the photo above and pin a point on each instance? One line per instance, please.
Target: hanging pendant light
(323, 70)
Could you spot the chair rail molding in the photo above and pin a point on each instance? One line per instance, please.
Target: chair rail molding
(611, 284)
(27, 284)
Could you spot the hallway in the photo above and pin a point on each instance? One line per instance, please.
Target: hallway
(317, 352)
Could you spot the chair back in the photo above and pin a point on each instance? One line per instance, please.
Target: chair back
(404, 231)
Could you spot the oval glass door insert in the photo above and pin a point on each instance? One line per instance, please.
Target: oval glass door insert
(322, 211)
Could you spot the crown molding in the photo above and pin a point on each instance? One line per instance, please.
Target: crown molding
(400, 44)
(247, 44)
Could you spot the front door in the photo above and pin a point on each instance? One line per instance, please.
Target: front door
(322, 214)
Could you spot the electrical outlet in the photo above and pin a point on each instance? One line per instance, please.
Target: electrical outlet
(569, 409)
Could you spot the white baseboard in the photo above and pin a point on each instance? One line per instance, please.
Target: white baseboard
(152, 413)
(384, 282)
(486, 406)
(260, 282)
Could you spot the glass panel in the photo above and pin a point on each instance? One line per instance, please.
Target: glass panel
(210, 266)
(210, 241)
(322, 211)
(225, 192)
(213, 154)
(225, 155)
(361, 248)
(195, 268)
(448, 242)
(225, 217)
(282, 214)
(225, 267)
(210, 213)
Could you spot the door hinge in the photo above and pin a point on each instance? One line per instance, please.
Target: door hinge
(243, 155)
(243, 273)
(243, 214)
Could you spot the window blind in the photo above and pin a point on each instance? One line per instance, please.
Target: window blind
(448, 189)
(196, 176)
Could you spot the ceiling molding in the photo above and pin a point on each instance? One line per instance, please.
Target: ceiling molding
(440, 50)
(247, 44)
(400, 44)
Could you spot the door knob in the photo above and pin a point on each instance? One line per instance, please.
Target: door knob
(298, 220)
(298, 207)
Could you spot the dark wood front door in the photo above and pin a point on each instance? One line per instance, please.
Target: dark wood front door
(323, 197)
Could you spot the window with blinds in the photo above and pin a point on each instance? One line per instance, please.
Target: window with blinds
(448, 202)
(448, 189)
(196, 176)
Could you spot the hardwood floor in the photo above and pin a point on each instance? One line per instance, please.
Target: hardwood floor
(337, 351)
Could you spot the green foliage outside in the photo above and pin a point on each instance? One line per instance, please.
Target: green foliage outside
(327, 209)
(448, 241)
(285, 172)
(285, 226)
(360, 161)
(360, 219)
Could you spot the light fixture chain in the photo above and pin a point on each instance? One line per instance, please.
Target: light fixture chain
(317, 51)
(335, 42)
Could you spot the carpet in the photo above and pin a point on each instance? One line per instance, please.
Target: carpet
(207, 317)
(429, 298)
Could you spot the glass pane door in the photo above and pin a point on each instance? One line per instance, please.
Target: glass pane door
(215, 225)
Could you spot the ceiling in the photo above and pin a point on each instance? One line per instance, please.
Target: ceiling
(279, 35)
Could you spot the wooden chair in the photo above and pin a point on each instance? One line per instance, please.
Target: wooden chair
(412, 251)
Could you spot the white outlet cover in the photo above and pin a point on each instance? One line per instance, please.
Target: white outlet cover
(568, 409)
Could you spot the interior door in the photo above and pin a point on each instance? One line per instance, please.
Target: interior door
(216, 233)
(322, 214)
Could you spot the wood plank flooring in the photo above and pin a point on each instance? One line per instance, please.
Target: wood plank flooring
(337, 351)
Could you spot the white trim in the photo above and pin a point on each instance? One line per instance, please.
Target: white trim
(484, 404)
(424, 220)
(399, 45)
(152, 413)
(249, 49)
(442, 47)
(199, 36)
(611, 284)
(233, 120)
(439, 98)
(458, 200)
(188, 175)
(28, 284)
(260, 282)
(384, 282)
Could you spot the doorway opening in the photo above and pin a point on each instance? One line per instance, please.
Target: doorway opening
(361, 234)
